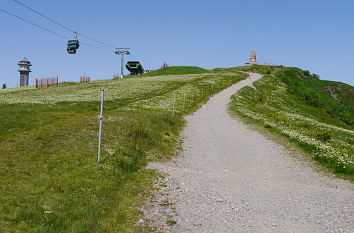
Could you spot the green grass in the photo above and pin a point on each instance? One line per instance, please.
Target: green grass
(315, 92)
(177, 70)
(50, 179)
(261, 69)
(297, 106)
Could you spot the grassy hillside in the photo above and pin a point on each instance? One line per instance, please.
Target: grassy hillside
(320, 94)
(344, 94)
(177, 70)
(50, 179)
(314, 115)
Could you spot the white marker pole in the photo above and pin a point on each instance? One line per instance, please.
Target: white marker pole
(174, 99)
(100, 133)
(184, 99)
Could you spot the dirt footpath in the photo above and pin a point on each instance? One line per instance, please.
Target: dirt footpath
(232, 179)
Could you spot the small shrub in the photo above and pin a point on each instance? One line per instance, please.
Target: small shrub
(324, 136)
(281, 117)
(316, 76)
(305, 125)
(171, 222)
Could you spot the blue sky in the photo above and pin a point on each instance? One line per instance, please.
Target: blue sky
(316, 35)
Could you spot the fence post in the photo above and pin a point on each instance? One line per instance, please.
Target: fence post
(100, 132)
(184, 99)
(174, 99)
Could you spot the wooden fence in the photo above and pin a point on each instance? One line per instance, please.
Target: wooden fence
(85, 79)
(46, 82)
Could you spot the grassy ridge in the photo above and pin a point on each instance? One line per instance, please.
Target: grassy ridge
(321, 94)
(50, 179)
(176, 70)
(297, 106)
(344, 94)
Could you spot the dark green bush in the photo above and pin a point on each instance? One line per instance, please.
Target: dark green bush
(324, 136)
(316, 76)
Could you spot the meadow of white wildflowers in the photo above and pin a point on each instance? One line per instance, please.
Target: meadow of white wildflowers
(276, 110)
(159, 89)
(186, 95)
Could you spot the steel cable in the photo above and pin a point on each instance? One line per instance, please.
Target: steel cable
(51, 31)
(63, 26)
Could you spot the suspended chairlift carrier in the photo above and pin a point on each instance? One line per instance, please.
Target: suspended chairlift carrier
(73, 45)
(134, 67)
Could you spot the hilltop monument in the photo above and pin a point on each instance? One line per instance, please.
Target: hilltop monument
(24, 69)
(164, 65)
(253, 59)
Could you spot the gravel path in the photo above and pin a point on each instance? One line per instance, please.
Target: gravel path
(233, 179)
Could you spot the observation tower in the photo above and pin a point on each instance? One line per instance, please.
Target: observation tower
(24, 69)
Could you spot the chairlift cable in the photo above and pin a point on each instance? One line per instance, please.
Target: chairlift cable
(34, 24)
(63, 26)
(29, 8)
(50, 31)
(100, 42)
(94, 46)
